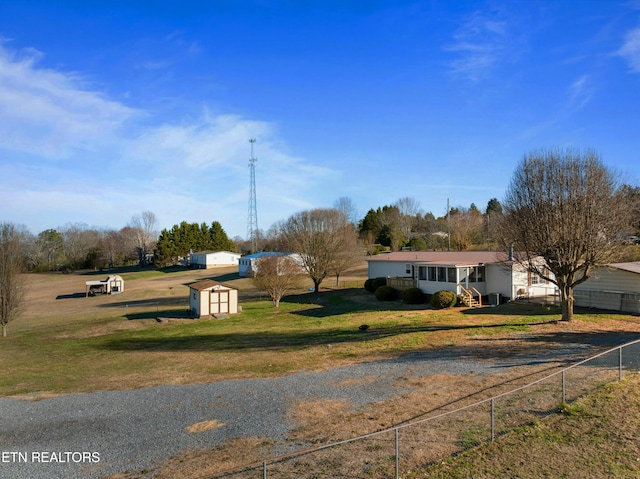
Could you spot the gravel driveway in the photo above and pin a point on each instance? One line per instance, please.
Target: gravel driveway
(97, 434)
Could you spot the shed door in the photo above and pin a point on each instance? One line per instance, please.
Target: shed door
(219, 302)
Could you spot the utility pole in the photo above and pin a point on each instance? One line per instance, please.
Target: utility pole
(252, 222)
(448, 226)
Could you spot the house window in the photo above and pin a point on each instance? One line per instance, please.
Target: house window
(480, 274)
(422, 273)
(407, 268)
(194, 295)
(433, 273)
(451, 273)
(442, 274)
(534, 279)
(471, 275)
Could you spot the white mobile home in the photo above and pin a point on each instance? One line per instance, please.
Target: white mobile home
(210, 298)
(211, 259)
(614, 287)
(485, 273)
(248, 265)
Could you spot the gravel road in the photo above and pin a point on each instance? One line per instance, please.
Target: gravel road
(97, 434)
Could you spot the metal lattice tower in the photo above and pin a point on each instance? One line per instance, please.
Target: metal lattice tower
(252, 222)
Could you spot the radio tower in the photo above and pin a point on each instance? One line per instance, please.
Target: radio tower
(252, 222)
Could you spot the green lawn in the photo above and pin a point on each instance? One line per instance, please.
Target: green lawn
(308, 331)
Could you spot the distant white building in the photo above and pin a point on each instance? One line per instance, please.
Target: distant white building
(113, 284)
(248, 265)
(211, 259)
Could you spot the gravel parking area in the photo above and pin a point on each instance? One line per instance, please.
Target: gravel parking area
(98, 434)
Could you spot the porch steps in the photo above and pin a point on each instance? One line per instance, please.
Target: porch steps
(470, 301)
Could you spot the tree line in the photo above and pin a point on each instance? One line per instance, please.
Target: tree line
(565, 207)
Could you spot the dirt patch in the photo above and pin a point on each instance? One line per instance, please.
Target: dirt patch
(232, 454)
(37, 396)
(205, 426)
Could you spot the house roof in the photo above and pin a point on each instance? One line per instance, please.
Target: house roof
(213, 252)
(456, 258)
(206, 284)
(264, 253)
(633, 267)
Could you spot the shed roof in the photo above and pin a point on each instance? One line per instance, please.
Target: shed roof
(206, 284)
(633, 267)
(457, 258)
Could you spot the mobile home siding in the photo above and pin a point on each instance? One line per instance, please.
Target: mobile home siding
(610, 288)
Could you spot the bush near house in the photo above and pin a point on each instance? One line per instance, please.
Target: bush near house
(386, 293)
(413, 296)
(373, 284)
(444, 299)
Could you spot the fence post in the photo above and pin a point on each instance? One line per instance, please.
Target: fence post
(564, 396)
(493, 419)
(264, 469)
(620, 364)
(397, 455)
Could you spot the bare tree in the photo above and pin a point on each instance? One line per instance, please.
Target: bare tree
(350, 254)
(409, 208)
(466, 227)
(564, 216)
(145, 225)
(12, 288)
(277, 274)
(317, 236)
(347, 207)
(78, 241)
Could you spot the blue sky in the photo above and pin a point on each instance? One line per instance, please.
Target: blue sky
(109, 109)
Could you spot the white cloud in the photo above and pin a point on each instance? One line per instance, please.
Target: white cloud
(51, 114)
(631, 49)
(118, 161)
(479, 44)
(581, 91)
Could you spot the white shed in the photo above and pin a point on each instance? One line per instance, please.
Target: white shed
(210, 298)
(113, 284)
(211, 259)
(614, 287)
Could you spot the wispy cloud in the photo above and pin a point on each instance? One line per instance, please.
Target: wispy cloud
(91, 143)
(479, 44)
(631, 49)
(581, 91)
(52, 114)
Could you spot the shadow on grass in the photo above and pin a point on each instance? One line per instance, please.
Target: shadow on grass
(164, 301)
(71, 296)
(132, 269)
(226, 277)
(268, 340)
(159, 315)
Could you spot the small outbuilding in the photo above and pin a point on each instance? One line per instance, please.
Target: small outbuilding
(614, 287)
(211, 259)
(210, 298)
(113, 284)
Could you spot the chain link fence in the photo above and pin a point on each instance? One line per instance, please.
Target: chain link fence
(399, 451)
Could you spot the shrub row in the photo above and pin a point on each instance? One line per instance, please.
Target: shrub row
(373, 284)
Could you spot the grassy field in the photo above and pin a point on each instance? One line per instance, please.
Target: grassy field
(68, 343)
(595, 437)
